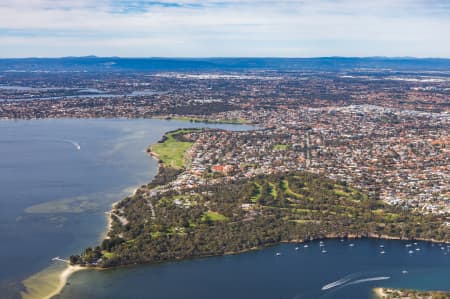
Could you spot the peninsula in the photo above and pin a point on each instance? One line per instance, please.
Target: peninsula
(343, 148)
(199, 206)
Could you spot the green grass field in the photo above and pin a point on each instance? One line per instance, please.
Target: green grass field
(347, 192)
(213, 216)
(171, 152)
(273, 190)
(280, 147)
(107, 254)
(256, 192)
(288, 191)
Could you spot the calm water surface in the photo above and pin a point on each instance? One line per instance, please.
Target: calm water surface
(58, 177)
(302, 273)
(57, 180)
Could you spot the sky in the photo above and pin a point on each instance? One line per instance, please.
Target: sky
(224, 28)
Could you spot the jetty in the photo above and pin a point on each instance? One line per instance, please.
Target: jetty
(58, 259)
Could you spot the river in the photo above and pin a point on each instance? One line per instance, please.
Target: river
(59, 177)
(306, 273)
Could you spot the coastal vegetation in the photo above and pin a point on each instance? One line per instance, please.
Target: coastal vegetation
(410, 294)
(256, 193)
(248, 214)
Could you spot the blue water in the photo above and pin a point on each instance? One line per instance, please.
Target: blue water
(40, 163)
(261, 274)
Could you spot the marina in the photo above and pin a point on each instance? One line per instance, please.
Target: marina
(344, 272)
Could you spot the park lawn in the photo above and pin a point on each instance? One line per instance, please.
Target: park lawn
(213, 216)
(256, 194)
(273, 190)
(288, 191)
(305, 221)
(156, 235)
(386, 215)
(342, 193)
(108, 254)
(171, 152)
(303, 211)
(349, 193)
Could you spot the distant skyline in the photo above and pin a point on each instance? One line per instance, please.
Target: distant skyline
(224, 28)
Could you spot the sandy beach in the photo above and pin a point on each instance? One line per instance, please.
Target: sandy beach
(49, 282)
(110, 212)
(109, 221)
(63, 279)
(379, 293)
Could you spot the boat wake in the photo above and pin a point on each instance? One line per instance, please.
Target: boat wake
(338, 282)
(368, 280)
(347, 281)
(74, 143)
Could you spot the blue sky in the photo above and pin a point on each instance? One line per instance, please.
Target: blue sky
(224, 28)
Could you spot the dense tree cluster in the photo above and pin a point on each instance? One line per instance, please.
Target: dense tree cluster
(249, 214)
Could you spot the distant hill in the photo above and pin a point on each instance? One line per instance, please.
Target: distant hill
(116, 64)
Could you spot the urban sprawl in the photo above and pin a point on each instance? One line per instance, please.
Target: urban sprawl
(385, 133)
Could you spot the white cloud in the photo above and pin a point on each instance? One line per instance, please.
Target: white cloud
(225, 28)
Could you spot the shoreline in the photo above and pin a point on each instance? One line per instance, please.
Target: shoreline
(71, 269)
(379, 292)
(63, 277)
(217, 122)
(383, 293)
(329, 236)
(56, 279)
(205, 120)
(109, 221)
(49, 282)
(110, 213)
(230, 253)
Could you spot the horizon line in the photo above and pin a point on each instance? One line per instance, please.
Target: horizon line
(229, 57)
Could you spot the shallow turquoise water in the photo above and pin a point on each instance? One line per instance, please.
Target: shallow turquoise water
(40, 162)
